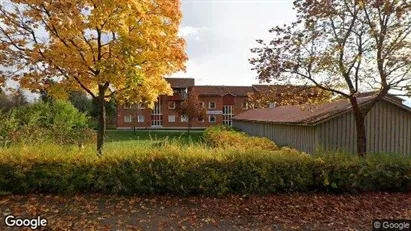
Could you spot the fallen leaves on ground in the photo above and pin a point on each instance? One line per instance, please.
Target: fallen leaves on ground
(268, 212)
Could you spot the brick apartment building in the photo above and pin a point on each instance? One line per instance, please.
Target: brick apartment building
(220, 102)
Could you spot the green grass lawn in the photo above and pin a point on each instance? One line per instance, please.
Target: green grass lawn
(147, 137)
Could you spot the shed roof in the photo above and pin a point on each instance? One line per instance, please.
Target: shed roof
(306, 115)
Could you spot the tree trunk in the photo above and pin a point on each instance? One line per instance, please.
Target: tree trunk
(361, 136)
(360, 128)
(101, 130)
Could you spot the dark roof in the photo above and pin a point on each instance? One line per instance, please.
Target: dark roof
(264, 87)
(300, 115)
(233, 90)
(280, 89)
(244, 90)
(180, 82)
(223, 90)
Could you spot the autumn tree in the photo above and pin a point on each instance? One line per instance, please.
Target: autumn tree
(15, 98)
(18, 98)
(287, 95)
(192, 109)
(5, 103)
(103, 47)
(346, 47)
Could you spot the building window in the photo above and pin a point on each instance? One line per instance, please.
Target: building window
(127, 106)
(200, 120)
(201, 104)
(212, 119)
(184, 119)
(211, 105)
(157, 115)
(128, 119)
(244, 105)
(171, 105)
(140, 118)
(228, 115)
(179, 90)
(140, 106)
(171, 118)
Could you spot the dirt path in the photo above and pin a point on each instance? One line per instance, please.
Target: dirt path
(288, 211)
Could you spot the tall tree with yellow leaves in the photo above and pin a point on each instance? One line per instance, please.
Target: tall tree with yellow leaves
(106, 48)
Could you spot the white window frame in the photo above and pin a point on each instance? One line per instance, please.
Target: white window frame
(157, 115)
(246, 106)
(228, 113)
(212, 116)
(173, 103)
(141, 106)
(209, 105)
(171, 120)
(128, 119)
(200, 121)
(184, 119)
(127, 106)
(141, 118)
(202, 104)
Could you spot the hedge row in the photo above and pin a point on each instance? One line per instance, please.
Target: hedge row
(226, 137)
(186, 171)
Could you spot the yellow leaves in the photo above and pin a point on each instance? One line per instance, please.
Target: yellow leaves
(58, 91)
(130, 44)
(361, 4)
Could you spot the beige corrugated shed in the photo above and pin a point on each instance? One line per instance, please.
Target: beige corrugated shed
(331, 126)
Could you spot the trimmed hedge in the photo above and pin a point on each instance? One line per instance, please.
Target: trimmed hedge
(194, 170)
(222, 136)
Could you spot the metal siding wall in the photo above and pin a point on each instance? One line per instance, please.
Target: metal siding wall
(336, 134)
(388, 131)
(298, 137)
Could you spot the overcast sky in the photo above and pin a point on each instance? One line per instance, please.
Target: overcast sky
(220, 34)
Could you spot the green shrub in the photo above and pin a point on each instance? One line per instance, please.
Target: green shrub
(227, 137)
(58, 121)
(193, 170)
(350, 173)
(8, 125)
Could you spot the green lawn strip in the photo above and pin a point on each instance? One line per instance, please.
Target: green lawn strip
(149, 136)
